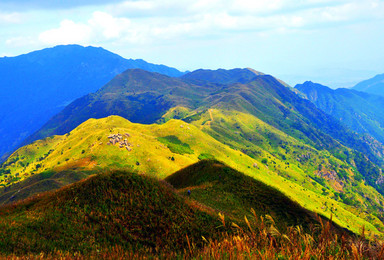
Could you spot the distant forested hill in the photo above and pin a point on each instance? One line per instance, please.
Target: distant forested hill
(374, 85)
(362, 112)
(37, 85)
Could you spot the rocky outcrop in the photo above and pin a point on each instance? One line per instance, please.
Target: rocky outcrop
(120, 140)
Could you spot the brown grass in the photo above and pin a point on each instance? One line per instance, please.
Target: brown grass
(259, 239)
(262, 240)
(85, 163)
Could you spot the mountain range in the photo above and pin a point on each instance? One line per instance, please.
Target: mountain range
(171, 160)
(144, 97)
(37, 85)
(259, 117)
(360, 111)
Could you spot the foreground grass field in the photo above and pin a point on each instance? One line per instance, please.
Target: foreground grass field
(118, 208)
(125, 215)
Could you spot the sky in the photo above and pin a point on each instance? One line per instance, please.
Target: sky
(333, 42)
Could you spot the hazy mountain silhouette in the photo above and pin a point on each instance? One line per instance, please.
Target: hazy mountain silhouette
(37, 85)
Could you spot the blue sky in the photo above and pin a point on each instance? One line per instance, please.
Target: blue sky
(336, 43)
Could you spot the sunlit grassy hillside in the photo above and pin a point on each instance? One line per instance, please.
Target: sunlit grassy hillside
(159, 150)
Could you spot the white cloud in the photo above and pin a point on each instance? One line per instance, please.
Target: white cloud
(257, 6)
(147, 21)
(135, 6)
(159, 8)
(68, 32)
(232, 14)
(101, 27)
(10, 18)
(52, 4)
(108, 26)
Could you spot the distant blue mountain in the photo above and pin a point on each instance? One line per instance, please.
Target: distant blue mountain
(374, 85)
(362, 112)
(37, 85)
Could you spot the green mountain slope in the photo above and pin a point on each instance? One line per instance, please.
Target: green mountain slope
(138, 95)
(41, 182)
(232, 193)
(275, 104)
(154, 149)
(160, 150)
(144, 97)
(330, 174)
(282, 109)
(362, 112)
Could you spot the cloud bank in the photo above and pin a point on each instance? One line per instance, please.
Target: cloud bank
(148, 21)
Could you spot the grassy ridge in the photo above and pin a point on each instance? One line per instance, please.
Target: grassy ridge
(37, 183)
(233, 193)
(111, 209)
(86, 148)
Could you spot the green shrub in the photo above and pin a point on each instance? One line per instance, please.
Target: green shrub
(264, 160)
(206, 156)
(175, 145)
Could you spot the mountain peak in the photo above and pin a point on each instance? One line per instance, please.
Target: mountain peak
(257, 73)
(312, 86)
(70, 49)
(222, 76)
(374, 85)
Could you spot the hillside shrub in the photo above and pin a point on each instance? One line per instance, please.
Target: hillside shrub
(206, 156)
(175, 145)
(264, 160)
